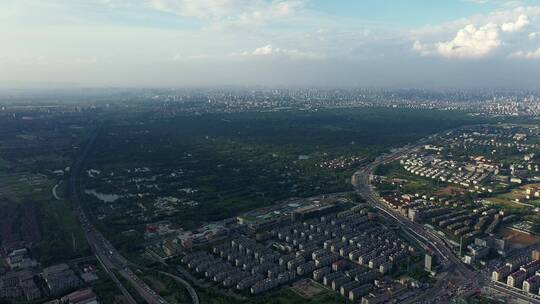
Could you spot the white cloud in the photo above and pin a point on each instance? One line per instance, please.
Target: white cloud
(422, 49)
(232, 12)
(526, 55)
(471, 42)
(265, 50)
(480, 35)
(269, 50)
(516, 26)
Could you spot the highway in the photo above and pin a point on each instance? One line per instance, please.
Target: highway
(191, 291)
(182, 280)
(453, 265)
(110, 259)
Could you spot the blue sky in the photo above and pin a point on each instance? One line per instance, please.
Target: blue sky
(405, 12)
(412, 43)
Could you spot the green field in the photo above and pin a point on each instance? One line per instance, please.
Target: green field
(24, 186)
(507, 199)
(60, 229)
(63, 237)
(3, 165)
(415, 184)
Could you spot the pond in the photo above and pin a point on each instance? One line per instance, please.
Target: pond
(106, 198)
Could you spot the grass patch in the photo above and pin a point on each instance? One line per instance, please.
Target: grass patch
(478, 299)
(506, 203)
(106, 289)
(4, 165)
(166, 287)
(508, 199)
(284, 295)
(63, 237)
(22, 186)
(414, 184)
(3, 262)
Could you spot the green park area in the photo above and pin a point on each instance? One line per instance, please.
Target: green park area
(220, 165)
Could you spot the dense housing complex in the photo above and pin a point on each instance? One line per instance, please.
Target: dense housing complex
(347, 251)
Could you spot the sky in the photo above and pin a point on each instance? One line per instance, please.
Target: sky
(184, 43)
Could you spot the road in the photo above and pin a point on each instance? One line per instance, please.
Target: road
(512, 294)
(461, 275)
(191, 291)
(500, 290)
(110, 259)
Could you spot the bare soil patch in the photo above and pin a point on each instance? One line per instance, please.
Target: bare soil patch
(519, 239)
(307, 288)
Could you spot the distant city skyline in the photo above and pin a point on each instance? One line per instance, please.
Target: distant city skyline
(181, 43)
